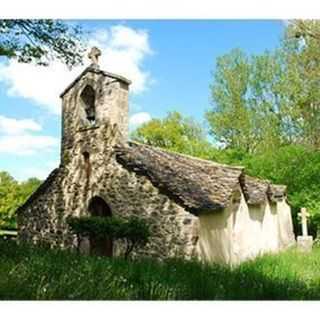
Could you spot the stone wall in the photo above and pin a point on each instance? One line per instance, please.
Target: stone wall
(174, 230)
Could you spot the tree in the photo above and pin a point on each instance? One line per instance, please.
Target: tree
(8, 199)
(301, 47)
(261, 102)
(248, 102)
(176, 133)
(26, 188)
(40, 41)
(230, 118)
(13, 195)
(305, 28)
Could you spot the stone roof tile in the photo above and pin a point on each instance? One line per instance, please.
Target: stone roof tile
(255, 190)
(277, 192)
(196, 184)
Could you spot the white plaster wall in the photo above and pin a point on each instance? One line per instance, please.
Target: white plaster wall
(256, 214)
(285, 225)
(215, 236)
(247, 232)
(243, 232)
(232, 235)
(270, 229)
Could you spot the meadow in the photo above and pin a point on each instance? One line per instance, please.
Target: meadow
(35, 273)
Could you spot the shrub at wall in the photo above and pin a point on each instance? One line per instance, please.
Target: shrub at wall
(134, 231)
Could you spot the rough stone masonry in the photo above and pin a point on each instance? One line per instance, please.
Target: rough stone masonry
(195, 208)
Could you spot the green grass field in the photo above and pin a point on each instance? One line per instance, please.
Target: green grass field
(39, 274)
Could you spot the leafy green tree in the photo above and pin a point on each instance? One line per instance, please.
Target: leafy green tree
(176, 133)
(13, 195)
(40, 41)
(268, 101)
(230, 119)
(301, 47)
(28, 186)
(8, 199)
(248, 104)
(265, 101)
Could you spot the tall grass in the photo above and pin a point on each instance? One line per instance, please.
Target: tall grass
(35, 273)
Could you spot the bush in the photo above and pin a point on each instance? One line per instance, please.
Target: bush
(134, 231)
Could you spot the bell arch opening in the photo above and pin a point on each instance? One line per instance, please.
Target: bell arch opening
(102, 247)
(88, 97)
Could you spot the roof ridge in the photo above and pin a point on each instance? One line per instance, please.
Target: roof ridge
(182, 155)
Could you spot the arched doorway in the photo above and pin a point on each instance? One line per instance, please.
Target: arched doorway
(102, 247)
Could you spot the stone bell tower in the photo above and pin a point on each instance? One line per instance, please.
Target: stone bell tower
(96, 99)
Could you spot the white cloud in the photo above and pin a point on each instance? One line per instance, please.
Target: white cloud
(123, 52)
(14, 126)
(16, 139)
(41, 172)
(26, 144)
(41, 85)
(138, 119)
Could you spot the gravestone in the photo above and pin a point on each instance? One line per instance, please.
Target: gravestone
(305, 242)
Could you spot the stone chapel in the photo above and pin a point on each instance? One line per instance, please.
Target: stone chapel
(194, 207)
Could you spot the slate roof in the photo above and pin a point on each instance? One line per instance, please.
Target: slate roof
(255, 190)
(277, 192)
(197, 185)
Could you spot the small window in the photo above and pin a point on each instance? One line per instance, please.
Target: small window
(86, 156)
(88, 100)
(87, 165)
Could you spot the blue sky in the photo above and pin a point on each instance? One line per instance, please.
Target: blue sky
(169, 62)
